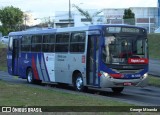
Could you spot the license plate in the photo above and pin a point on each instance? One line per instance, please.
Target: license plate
(127, 84)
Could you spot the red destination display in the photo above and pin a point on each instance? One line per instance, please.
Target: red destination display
(137, 61)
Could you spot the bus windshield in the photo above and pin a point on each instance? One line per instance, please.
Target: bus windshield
(119, 48)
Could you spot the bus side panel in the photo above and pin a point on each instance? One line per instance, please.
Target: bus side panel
(62, 68)
(36, 59)
(30, 60)
(66, 64)
(48, 66)
(78, 62)
(43, 66)
(24, 63)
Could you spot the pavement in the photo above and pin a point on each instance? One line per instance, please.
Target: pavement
(154, 67)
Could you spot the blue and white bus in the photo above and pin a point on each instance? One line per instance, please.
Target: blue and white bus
(99, 56)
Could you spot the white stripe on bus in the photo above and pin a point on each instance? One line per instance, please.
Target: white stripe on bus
(44, 69)
(39, 69)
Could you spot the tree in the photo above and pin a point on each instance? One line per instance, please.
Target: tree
(129, 17)
(85, 13)
(11, 18)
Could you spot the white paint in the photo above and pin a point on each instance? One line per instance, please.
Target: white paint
(50, 65)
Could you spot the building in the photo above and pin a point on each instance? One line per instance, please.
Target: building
(62, 19)
(147, 17)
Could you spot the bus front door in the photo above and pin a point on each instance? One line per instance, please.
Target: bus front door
(92, 61)
(15, 55)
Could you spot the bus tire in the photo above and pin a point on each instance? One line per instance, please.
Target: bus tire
(117, 90)
(30, 77)
(78, 83)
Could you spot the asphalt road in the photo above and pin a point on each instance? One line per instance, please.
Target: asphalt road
(148, 96)
(154, 67)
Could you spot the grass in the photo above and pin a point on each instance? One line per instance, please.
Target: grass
(22, 95)
(154, 46)
(154, 81)
(3, 58)
(3, 45)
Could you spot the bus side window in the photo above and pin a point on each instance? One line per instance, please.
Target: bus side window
(48, 44)
(77, 42)
(26, 43)
(140, 49)
(62, 42)
(36, 43)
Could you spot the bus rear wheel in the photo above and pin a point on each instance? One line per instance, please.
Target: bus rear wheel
(78, 82)
(30, 77)
(117, 90)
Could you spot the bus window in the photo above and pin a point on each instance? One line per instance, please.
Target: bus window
(48, 43)
(36, 43)
(140, 47)
(49, 38)
(26, 43)
(77, 42)
(62, 42)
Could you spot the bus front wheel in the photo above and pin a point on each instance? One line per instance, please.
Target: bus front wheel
(78, 82)
(30, 78)
(117, 89)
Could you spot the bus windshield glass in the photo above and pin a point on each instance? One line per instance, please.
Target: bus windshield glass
(119, 48)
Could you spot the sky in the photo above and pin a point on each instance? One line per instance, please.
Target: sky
(46, 8)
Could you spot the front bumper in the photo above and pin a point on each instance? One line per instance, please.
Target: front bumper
(107, 81)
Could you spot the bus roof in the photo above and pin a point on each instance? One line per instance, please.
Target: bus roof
(67, 29)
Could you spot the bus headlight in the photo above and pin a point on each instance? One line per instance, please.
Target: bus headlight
(105, 74)
(145, 75)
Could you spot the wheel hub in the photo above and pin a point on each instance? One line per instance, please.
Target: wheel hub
(79, 83)
(30, 77)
